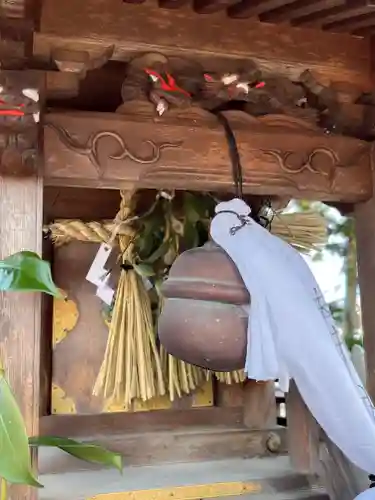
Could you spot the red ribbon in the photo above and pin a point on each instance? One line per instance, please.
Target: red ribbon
(11, 112)
(168, 85)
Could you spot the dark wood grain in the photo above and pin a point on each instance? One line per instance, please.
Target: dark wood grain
(153, 421)
(303, 434)
(133, 28)
(21, 222)
(259, 405)
(174, 446)
(200, 161)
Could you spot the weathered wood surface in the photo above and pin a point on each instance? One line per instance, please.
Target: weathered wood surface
(21, 206)
(280, 155)
(259, 405)
(340, 478)
(263, 478)
(173, 446)
(303, 433)
(80, 337)
(364, 217)
(132, 29)
(117, 423)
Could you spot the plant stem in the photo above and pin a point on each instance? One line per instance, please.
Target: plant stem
(3, 489)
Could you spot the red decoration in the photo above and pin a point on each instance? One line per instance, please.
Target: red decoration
(168, 84)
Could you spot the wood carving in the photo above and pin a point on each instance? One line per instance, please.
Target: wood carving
(281, 156)
(166, 82)
(19, 118)
(309, 161)
(90, 147)
(80, 61)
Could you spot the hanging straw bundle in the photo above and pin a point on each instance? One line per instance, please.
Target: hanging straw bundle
(305, 231)
(131, 353)
(181, 378)
(131, 368)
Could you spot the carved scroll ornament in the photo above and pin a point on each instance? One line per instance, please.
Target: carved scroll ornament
(90, 148)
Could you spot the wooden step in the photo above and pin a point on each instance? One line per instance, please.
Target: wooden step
(255, 478)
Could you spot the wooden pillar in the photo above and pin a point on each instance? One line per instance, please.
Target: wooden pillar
(303, 433)
(365, 233)
(21, 204)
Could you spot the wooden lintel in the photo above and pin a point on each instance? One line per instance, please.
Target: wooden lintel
(280, 155)
(144, 28)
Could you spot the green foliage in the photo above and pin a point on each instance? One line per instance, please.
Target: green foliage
(341, 242)
(89, 452)
(15, 463)
(175, 224)
(26, 272)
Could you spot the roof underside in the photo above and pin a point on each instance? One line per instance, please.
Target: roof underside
(350, 16)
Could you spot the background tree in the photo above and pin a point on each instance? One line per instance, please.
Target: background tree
(341, 244)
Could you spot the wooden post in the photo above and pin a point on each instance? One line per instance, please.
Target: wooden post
(259, 405)
(21, 200)
(303, 433)
(364, 226)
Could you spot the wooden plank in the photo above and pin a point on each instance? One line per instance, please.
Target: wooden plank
(66, 203)
(277, 479)
(303, 433)
(163, 447)
(249, 8)
(21, 229)
(304, 10)
(259, 405)
(112, 423)
(335, 13)
(145, 28)
(229, 395)
(279, 155)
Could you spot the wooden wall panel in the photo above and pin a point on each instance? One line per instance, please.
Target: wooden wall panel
(80, 337)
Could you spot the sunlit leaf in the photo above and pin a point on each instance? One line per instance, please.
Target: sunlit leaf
(15, 463)
(27, 272)
(89, 452)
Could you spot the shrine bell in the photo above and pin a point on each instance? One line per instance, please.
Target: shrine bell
(205, 314)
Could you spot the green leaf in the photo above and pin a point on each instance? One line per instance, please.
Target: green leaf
(159, 252)
(27, 272)
(192, 208)
(144, 270)
(89, 452)
(191, 236)
(15, 463)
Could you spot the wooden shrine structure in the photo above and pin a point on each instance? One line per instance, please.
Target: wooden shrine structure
(88, 120)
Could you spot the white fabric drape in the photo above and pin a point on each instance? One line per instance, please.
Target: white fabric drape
(291, 334)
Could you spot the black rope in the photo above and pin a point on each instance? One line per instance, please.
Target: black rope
(264, 219)
(126, 267)
(233, 154)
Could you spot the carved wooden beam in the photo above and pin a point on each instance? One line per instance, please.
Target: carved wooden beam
(280, 156)
(135, 29)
